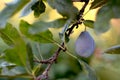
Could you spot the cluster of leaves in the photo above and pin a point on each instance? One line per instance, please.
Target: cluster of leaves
(19, 48)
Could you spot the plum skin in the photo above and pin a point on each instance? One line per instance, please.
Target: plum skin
(84, 45)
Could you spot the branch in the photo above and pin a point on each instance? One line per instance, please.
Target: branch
(53, 59)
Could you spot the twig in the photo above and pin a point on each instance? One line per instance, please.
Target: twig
(53, 59)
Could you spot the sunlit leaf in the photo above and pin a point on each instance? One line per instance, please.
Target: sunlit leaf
(5, 36)
(113, 50)
(43, 37)
(11, 9)
(38, 8)
(17, 54)
(98, 3)
(89, 23)
(24, 26)
(3, 46)
(42, 26)
(36, 69)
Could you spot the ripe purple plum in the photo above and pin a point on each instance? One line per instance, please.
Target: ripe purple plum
(85, 45)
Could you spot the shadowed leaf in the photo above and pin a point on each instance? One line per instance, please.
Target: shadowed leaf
(30, 61)
(113, 50)
(105, 14)
(38, 8)
(98, 3)
(102, 24)
(90, 72)
(16, 71)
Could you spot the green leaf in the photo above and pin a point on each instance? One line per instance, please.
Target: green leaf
(27, 9)
(39, 26)
(115, 7)
(42, 37)
(5, 36)
(113, 50)
(42, 26)
(66, 38)
(98, 3)
(102, 23)
(38, 8)
(3, 46)
(30, 61)
(89, 23)
(58, 23)
(116, 11)
(11, 9)
(36, 50)
(64, 7)
(90, 72)
(36, 69)
(17, 54)
(39, 50)
(105, 14)
(24, 26)
(13, 72)
(6, 64)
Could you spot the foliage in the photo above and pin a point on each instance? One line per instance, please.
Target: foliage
(23, 49)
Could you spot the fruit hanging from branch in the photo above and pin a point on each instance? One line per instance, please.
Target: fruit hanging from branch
(85, 44)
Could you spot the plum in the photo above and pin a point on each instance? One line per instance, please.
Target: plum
(85, 45)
